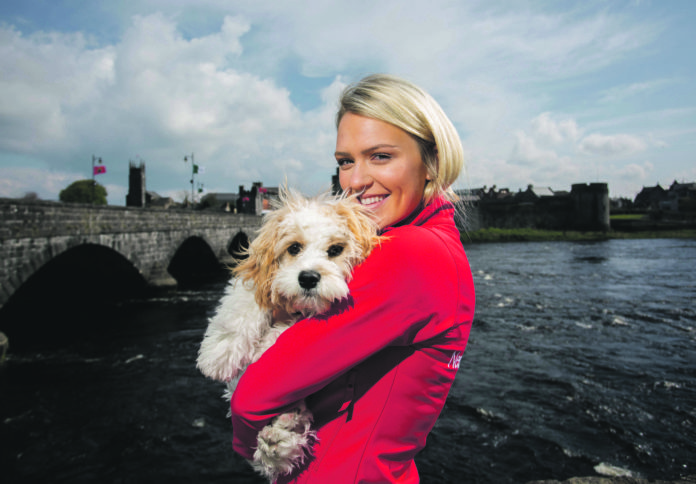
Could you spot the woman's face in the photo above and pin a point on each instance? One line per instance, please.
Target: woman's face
(383, 163)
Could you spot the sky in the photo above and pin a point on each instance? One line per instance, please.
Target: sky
(547, 93)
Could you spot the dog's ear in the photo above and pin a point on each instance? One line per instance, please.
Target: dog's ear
(261, 264)
(359, 223)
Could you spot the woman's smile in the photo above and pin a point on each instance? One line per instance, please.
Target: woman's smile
(371, 201)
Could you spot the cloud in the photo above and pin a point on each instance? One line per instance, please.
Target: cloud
(46, 79)
(161, 96)
(635, 172)
(526, 151)
(611, 145)
(554, 152)
(554, 132)
(15, 182)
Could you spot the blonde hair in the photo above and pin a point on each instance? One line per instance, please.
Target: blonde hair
(406, 106)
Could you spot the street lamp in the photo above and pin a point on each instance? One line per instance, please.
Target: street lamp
(194, 170)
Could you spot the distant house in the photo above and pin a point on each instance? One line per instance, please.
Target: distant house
(493, 193)
(153, 200)
(532, 194)
(649, 198)
(222, 202)
(679, 197)
(257, 200)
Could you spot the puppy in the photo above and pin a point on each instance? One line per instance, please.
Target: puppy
(299, 264)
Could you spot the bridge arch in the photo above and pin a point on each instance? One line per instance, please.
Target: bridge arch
(67, 290)
(195, 262)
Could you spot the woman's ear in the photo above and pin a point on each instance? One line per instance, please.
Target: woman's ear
(435, 165)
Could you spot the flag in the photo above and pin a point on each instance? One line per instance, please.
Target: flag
(195, 168)
(99, 169)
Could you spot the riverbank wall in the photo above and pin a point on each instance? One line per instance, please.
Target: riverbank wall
(617, 480)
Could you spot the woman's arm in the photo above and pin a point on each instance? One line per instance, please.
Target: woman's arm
(406, 291)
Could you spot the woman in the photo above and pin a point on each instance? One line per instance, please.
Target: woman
(377, 371)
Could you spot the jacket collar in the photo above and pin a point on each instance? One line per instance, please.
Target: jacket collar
(422, 214)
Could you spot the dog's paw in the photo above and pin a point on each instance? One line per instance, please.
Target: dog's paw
(219, 358)
(284, 444)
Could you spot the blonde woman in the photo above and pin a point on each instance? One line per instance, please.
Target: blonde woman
(376, 372)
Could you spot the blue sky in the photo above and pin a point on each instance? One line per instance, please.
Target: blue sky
(541, 92)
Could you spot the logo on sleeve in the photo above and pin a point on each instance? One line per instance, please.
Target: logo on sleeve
(455, 360)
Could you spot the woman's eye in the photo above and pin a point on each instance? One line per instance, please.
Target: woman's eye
(343, 162)
(335, 250)
(295, 248)
(381, 157)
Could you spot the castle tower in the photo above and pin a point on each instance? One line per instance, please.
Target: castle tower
(136, 185)
(590, 206)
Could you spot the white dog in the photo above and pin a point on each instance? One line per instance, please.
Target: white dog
(299, 264)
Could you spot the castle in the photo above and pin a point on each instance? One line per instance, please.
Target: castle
(584, 208)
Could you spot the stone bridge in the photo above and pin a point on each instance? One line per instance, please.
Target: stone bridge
(147, 242)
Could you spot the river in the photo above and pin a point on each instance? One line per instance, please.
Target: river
(581, 355)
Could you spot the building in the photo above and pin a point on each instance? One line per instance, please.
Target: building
(138, 196)
(257, 200)
(136, 185)
(224, 202)
(585, 207)
(649, 198)
(678, 198)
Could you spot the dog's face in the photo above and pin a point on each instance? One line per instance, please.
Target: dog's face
(305, 252)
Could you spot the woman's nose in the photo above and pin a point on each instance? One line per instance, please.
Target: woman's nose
(359, 177)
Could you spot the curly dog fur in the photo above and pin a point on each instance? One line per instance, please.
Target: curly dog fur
(299, 264)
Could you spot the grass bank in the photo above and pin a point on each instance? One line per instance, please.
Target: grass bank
(534, 235)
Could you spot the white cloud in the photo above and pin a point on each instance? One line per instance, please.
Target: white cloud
(160, 96)
(611, 145)
(634, 172)
(554, 132)
(526, 151)
(15, 182)
(47, 79)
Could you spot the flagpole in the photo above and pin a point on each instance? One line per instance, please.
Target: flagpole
(193, 175)
(94, 182)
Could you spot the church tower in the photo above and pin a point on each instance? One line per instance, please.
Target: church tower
(136, 185)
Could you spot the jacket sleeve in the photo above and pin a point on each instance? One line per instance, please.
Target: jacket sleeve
(404, 293)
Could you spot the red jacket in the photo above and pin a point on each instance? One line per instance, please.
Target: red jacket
(377, 370)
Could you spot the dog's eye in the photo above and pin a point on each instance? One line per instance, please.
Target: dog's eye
(295, 248)
(335, 250)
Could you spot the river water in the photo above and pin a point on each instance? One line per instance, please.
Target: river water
(582, 355)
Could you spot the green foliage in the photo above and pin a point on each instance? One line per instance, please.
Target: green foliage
(627, 216)
(535, 235)
(84, 191)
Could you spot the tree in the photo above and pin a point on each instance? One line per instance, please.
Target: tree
(84, 191)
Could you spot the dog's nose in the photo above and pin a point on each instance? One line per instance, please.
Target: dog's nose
(309, 279)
